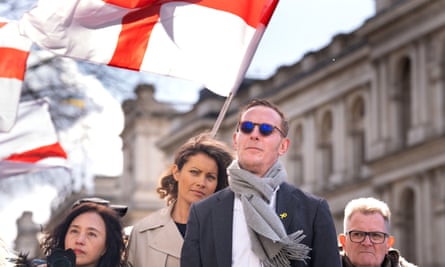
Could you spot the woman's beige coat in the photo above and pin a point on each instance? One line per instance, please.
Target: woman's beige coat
(155, 241)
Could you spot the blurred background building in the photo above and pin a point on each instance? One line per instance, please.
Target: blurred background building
(367, 118)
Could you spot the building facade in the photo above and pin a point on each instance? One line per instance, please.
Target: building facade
(367, 118)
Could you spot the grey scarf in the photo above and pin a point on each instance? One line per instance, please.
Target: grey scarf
(270, 241)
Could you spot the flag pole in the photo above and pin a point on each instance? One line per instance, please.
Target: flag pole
(222, 114)
(265, 18)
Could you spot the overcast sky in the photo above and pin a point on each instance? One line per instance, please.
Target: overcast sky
(299, 26)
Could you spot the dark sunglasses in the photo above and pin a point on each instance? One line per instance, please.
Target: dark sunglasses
(265, 129)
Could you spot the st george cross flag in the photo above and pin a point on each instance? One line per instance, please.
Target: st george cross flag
(14, 51)
(32, 143)
(211, 42)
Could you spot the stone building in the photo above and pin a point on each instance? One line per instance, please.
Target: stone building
(367, 118)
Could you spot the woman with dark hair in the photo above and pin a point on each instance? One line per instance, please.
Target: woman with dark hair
(199, 170)
(93, 231)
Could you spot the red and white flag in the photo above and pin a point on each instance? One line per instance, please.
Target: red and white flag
(14, 51)
(210, 42)
(32, 144)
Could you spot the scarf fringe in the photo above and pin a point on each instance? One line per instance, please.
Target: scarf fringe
(292, 250)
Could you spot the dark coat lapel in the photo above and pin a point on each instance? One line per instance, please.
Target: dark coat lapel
(222, 216)
(284, 200)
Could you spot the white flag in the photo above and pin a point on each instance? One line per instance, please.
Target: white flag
(32, 144)
(14, 51)
(210, 42)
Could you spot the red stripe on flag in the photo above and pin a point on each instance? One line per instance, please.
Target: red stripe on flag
(3, 24)
(13, 63)
(133, 38)
(268, 12)
(34, 155)
(138, 25)
(130, 3)
(249, 10)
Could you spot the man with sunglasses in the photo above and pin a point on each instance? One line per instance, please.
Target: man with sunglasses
(260, 219)
(366, 240)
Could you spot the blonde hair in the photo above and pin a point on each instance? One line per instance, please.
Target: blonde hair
(367, 205)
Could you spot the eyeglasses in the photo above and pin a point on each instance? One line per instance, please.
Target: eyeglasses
(360, 236)
(265, 129)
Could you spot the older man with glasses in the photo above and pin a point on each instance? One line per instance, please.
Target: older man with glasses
(366, 241)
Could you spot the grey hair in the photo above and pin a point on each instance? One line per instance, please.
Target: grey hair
(367, 205)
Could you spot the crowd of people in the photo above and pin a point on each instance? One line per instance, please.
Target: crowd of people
(226, 209)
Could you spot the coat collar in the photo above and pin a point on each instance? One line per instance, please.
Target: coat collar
(163, 233)
(157, 219)
(284, 197)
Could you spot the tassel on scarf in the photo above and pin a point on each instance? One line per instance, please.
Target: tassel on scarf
(292, 250)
